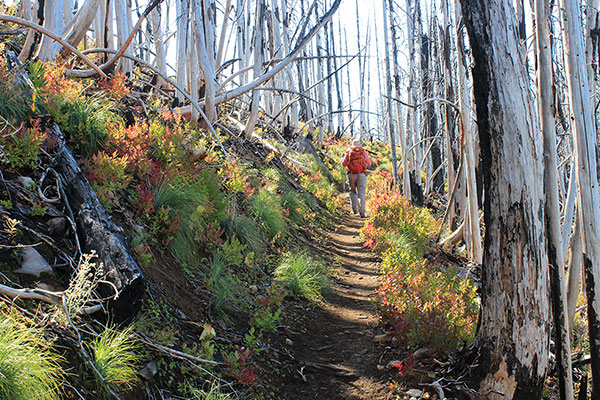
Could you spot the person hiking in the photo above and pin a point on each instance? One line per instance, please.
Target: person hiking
(357, 160)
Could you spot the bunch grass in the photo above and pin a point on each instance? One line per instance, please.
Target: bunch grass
(214, 393)
(267, 208)
(303, 276)
(220, 283)
(116, 358)
(246, 230)
(29, 369)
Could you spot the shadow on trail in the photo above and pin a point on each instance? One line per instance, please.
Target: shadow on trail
(336, 356)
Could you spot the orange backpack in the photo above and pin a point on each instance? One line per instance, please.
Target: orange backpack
(357, 163)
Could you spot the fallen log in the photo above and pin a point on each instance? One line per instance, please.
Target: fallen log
(97, 232)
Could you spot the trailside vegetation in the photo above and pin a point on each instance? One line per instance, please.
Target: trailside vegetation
(226, 229)
(422, 301)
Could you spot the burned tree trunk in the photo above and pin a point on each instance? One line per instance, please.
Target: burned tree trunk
(588, 200)
(258, 60)
(512, 344)
(554, 246)
(98, 233)
(390, 117)
(429, 113)
(449, 123)
(471, 212)
(403, 135)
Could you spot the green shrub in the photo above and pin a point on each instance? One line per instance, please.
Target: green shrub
(294, 206)
(233, 251)
(201, 207)
(107, 175)
(169, 147)
(28, 369)
(275, 175)
(422, 304)
(36, 70)
(22, 149)
(401, 250)
(266, 207)
(202, 194)
(323, 188)
(114, 355)
(427, 306)
(392, 214)
(303, 276)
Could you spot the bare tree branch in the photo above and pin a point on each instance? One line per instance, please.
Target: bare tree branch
(41, 29)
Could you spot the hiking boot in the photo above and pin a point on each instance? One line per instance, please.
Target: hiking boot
(354, 211)
(362, 214)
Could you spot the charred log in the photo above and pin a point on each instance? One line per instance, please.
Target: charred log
(99, 233)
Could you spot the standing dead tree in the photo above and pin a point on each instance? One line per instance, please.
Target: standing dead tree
(554, 247)
(512, 343)
(588, 201)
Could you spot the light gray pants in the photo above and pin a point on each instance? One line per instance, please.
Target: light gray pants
(357, 196)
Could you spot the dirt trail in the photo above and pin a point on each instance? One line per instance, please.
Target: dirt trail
(337, 354)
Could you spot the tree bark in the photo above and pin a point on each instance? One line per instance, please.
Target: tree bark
(588, 201)
(34, 15)
(556, 259)
(182, 9)
(123, 29)
(83, 20)
(258, 59)
(160, 59)
(448, 113)
(205, 51)
(98, 233)
(221, 47)
(512, 343)
(53, 21)
(429, 112)
(402, 134)
(472, 230)
(390, 116)
(574, 273)
(361, 74)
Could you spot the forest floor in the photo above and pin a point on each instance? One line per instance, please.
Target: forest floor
(336, 355)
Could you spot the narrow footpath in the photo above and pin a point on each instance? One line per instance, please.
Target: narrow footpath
(337, 356)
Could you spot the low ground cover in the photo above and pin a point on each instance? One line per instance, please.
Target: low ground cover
(422, 303)
(222, 229)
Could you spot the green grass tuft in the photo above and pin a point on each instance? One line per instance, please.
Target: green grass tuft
(214, 393)
(267, 208)
(115, 357)
(402, 249)
(84, 121)
(303, 276)
(16, 98)
(220, 283)
(246, 230)
(295, 205)
(201, 207)
(28, 369)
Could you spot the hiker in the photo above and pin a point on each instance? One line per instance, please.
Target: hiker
(357, 160)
